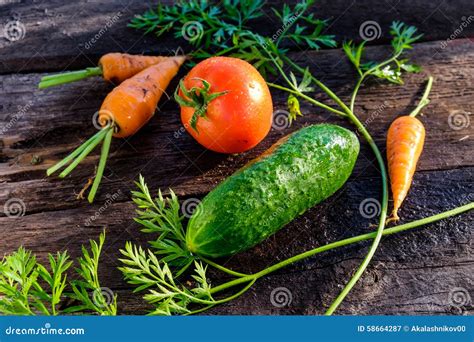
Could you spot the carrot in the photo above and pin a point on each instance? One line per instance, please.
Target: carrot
(126, 109)
(405, 140)
(114, 67)
(138, 95)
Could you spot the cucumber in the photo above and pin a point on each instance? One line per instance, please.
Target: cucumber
(299, 171)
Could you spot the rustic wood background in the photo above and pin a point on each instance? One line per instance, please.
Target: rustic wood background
(413, 273)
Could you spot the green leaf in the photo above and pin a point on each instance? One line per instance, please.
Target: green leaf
(144, 270)
(87, 290)
(224, 29)
(403, 36)
(161, 216)
(410, 67)
(354, 53)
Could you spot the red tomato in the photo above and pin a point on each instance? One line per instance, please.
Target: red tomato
(237, 120)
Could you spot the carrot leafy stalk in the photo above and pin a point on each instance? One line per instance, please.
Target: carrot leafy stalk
(161, 216)
(28, 287)
(104, 136)
(68, 77)
(217, 30)
(113, 67)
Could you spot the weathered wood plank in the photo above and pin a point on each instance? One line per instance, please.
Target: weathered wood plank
(413, 272)
(52, 43)
(51, 123)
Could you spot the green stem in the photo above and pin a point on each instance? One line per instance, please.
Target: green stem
(241, 292)
(424, 100)
(205, 308)
(344, 242)
(224, 300)
(367, 73)
(84, 153)
(384, 206)
(328, 91)
(302, 71)
(71, 156)
(67, 77)
(307, 98)
(356, 91)
(213, 302)
(102, 162)
(222, 268)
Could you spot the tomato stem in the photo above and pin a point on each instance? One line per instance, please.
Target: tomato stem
(67, 77)
(197, 98)
(424, 100)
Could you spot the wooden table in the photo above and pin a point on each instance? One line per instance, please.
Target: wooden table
(412, 273)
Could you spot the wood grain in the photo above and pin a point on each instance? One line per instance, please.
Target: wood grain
(413, 273)
(52, 43)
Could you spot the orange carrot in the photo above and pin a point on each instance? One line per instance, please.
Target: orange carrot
(124, 111)
(114, 67)
(133, 103)
(405, 140)
(117, 67)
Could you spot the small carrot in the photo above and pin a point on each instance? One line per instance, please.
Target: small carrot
(114, 67)
(126, 109)
(405, 140)
(133, 103)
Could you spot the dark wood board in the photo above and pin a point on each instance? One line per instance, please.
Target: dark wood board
(57, 33)
(412, 273)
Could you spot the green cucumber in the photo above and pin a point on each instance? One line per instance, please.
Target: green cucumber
(296, 173)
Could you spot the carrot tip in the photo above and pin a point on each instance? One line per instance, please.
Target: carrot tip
(393, 218)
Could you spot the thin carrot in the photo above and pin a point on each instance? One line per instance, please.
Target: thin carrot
(138, 95)
(126, 109)
(405, 140)
(113, 67)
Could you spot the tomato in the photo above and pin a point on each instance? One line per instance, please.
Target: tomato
(236, 120)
